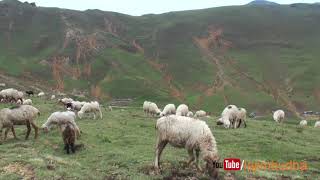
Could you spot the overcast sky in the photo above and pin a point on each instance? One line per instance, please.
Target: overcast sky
(140, 7)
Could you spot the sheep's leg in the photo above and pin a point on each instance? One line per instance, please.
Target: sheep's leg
(245, 124)
(6, 133)
(159, 148)
(191, 157)
(35, 127)
(13, 132)
(66, 147)
(1, 136)
(197, 160)
(73, 150)
(100, 113)
(29, 129)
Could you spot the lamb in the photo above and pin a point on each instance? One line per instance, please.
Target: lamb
(27, 102)
(69, 137)
(278, 116)
(19, 115)
(303, 123)
(228, 116)
(182, 110)
(241, 118)
(41, 94)
(168, 109)
(186, 132)
(59, 119)
(90, 107)
(200, 113)
(317, 124)
(190, 114)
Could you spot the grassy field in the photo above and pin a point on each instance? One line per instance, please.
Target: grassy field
(121, 146)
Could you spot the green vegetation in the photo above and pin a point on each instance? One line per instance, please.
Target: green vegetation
(121, 146)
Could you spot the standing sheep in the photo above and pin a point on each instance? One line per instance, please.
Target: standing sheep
(59, 119)
(303, 123)
(90, 107)
(228, 116)
(41, 94)
(53, 97)
(241, 118)
(200, 113)
(168, 110)
(317, 124)
(20, 115)
(278, 116)
(182, 110)
(69, 137)
(185, 132)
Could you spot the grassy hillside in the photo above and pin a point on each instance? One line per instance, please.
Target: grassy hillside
(121, 146)
(262, 57)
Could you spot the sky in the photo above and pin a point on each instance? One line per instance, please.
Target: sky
(140, 7)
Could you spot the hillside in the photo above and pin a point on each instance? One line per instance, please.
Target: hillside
(261, 57)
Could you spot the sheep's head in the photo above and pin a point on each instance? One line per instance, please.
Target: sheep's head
(211, 161)
(80, 114)
(45, 129)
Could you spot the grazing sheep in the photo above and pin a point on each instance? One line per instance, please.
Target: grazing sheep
(11, 95)
(168, 109)
(185, 132)
(27, 102)
(90, 107)
(190, 114)
(59, 119)
(69, 137)
(241, 118)
(200, 113)
(153, 109)
(303, 123)
(317, 124)
(30, 93)
(228, 116)
(19, 115)
(182, 110)
(75, 105)
(65, 101)
(53, 97)
(146, 107)
(41, 94)
(278, 116)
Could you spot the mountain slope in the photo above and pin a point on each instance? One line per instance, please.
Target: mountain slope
(260, 57)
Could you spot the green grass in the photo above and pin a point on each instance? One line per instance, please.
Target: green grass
(121, 146)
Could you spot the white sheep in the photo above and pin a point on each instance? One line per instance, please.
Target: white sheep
(153, 109)
(20, 115)
(11, 95)
(90, 107)
(182, 110)
(146, 107)
(228, 116)
(303, 123)
(41, 94)
(27, 102)
(278, 116)
(65, 101)
(200, 113)
(190, 114)
(59, 119)
(168, 109)
(317, 124)
(241, 118)
(53, 97)
(189, 133)
(77, 105)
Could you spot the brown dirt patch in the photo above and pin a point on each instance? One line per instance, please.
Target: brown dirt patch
(26, 171)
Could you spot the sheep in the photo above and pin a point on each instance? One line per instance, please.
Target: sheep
(53, 97)
(41, 94)
(200, 113)
(110, 108)
(69, 137)
(303, 123)
(146, 107)
(27, 102)
(317, 124)
(182, 110)
(151, 108)
(90, 107)
(186, 132)
(11, 95)
(228, 116)
(278, 116)
(190, 114)
(65, 101)
(60, 118)
(241, 118)
(168, 109)
(75, 105)
(29, 93)
(19, 115)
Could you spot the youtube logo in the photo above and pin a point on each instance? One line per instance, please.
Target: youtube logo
(231, 164)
